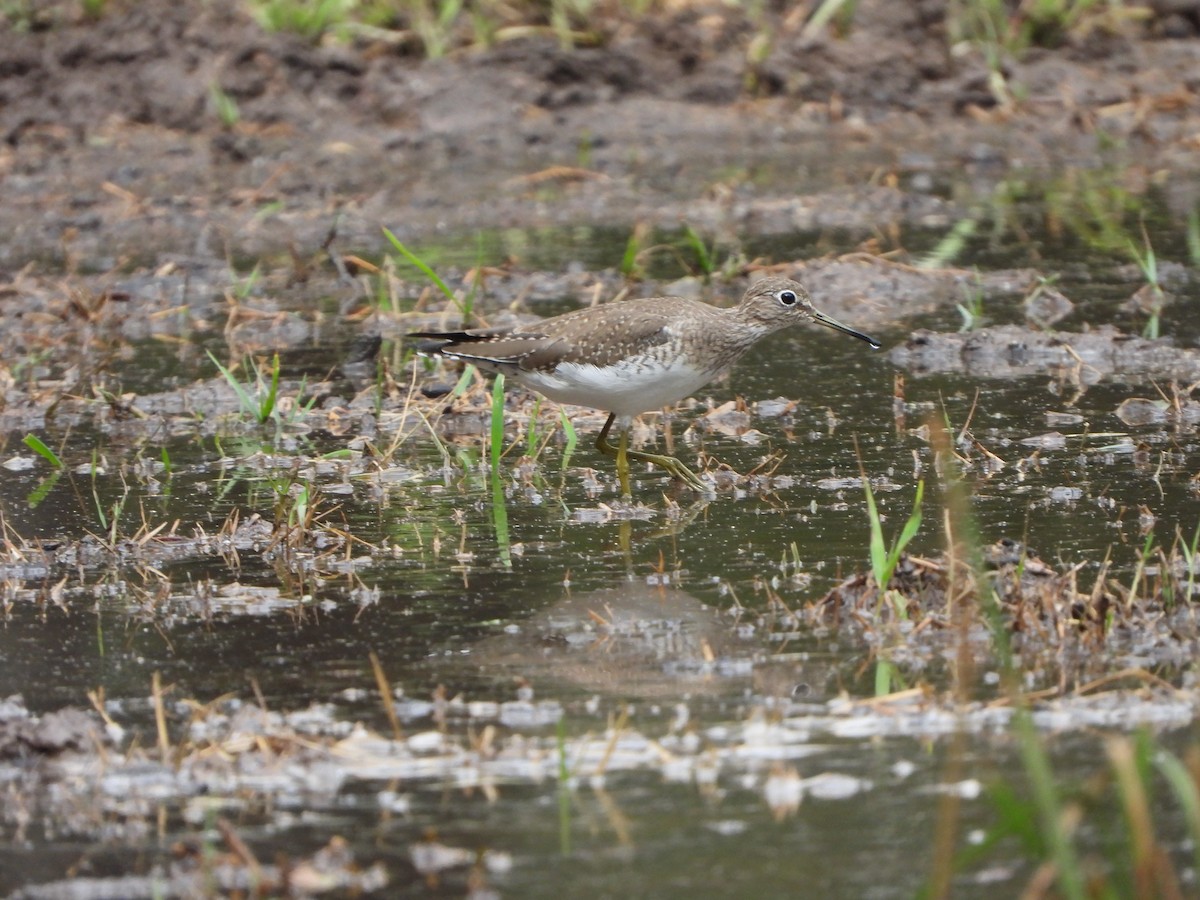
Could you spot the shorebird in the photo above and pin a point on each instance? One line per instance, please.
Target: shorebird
(632, 356)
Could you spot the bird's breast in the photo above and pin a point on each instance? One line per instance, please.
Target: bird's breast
(627, 387)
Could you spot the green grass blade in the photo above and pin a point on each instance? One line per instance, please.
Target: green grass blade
(629, 261)
(464, 382)
(950, 247)
(497, 447)
(244, 399)
(34, 443)
(267, 406)
(223, 105)
(1049, 806)
(38, 494)
(424, 269)
(883, 678)
(100, 516)
(499, 509)
(842, 10)
(878, 548)
(1183, 786)
(500, 520)
(1017, 819)
(572, 439)
(1191, 563)
(912, 526)
(531, 435)
(251, 280)
(703, 257)
(437, 441)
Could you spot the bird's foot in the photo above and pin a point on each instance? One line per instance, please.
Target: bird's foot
(675, 468)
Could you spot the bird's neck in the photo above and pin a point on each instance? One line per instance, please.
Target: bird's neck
(748, 327)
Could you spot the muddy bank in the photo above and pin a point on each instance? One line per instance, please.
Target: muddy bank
(114, 151)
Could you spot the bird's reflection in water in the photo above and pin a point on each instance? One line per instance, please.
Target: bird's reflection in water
(644, 642)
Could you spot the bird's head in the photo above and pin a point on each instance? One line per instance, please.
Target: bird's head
(775, 303)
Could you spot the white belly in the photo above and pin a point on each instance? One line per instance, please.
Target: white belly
(627, 389)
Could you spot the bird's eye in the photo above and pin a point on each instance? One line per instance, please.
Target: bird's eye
(787, 298)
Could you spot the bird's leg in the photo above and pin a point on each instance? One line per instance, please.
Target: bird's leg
(620, 452)
(623, 464)
(623, 454)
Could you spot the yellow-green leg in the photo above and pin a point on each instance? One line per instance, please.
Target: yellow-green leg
(623, 454)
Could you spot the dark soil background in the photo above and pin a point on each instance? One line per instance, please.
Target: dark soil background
(113, 154)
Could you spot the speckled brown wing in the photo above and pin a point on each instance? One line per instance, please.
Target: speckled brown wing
(598, 335)
(602, 335)
(515, 353)
(491, 349)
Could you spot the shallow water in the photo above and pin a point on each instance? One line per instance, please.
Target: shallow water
(449, 596)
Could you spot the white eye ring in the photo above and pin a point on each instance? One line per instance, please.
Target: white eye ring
(788, 298)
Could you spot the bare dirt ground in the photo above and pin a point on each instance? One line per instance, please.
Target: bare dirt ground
(113, 154)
